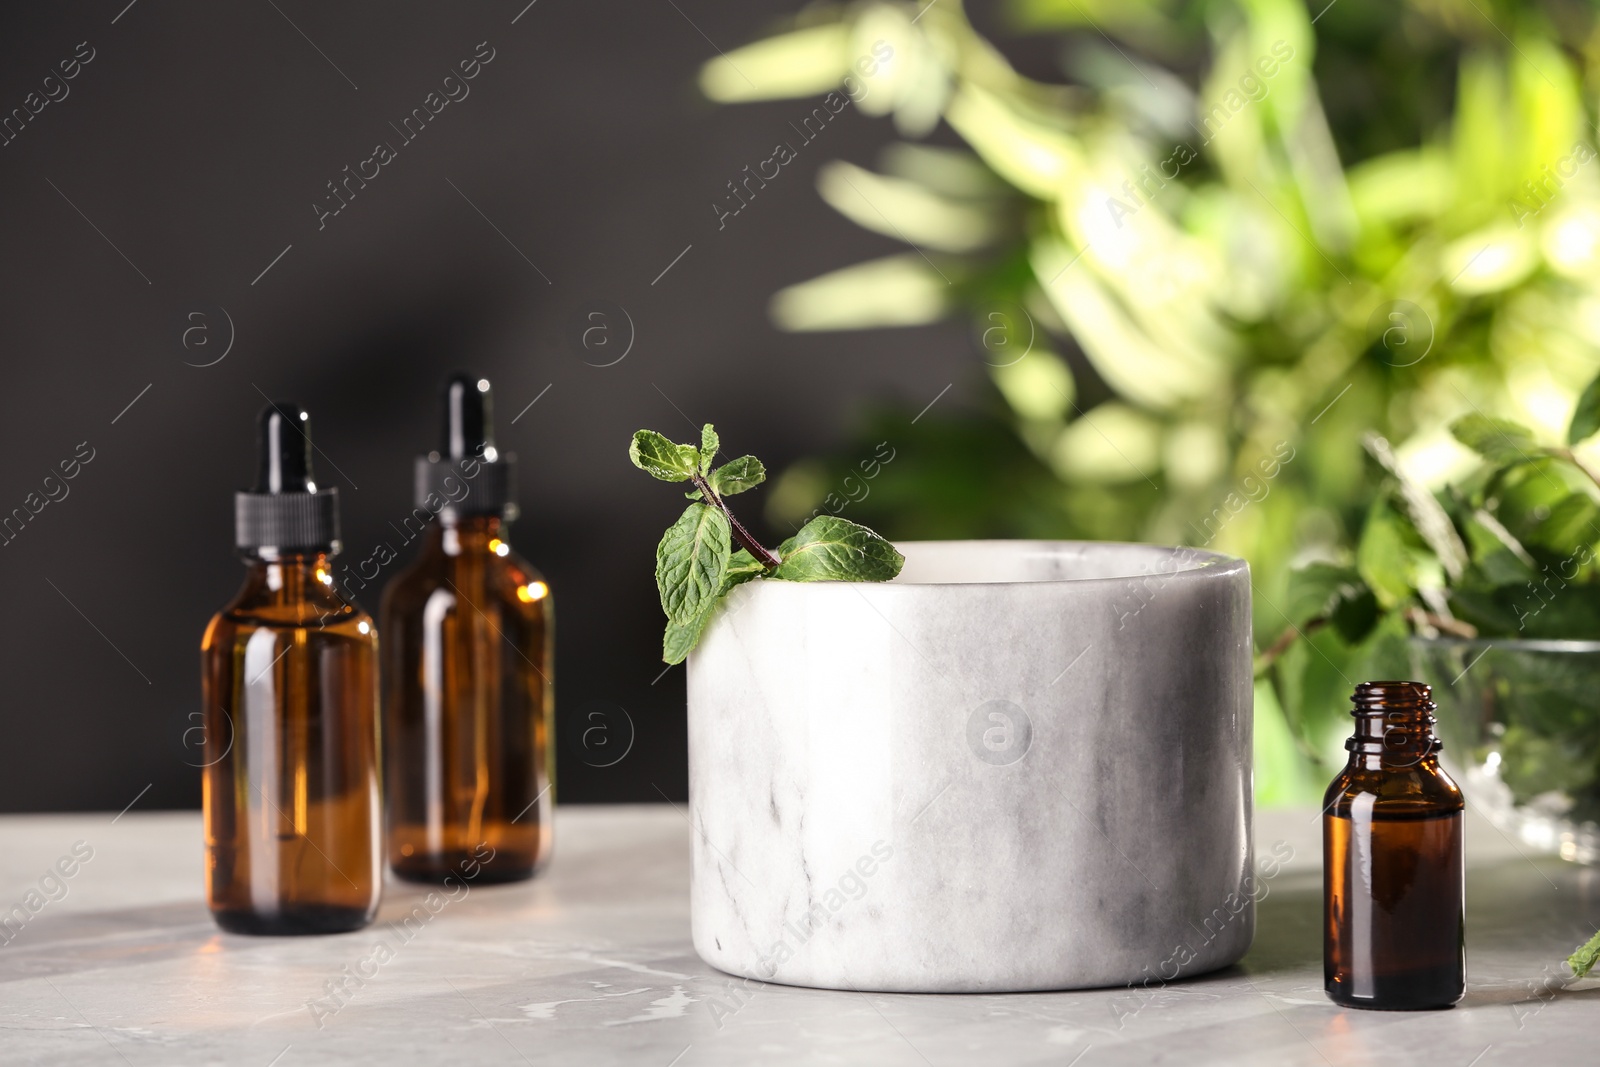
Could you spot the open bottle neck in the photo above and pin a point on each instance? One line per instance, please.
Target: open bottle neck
(1394, 725)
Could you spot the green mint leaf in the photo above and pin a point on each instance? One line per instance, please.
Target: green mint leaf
(1492, 610)
(1588, 954)
(742, 567)
(1427, 515)
(1316, 589)
(655, 455)
(829, 548)
(1497, 440)
(1381, 556)
(1498, 558)
(1337, 594)
(1569, 525)
(681, 638)
(1586, 417)
(710, 445)
(691, 562)
(1355, 617)
(737, 475)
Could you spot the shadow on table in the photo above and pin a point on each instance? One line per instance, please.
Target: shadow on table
(54, 943)
(70, 942)
(1288, 931)
(84, 941)
(1516, 908)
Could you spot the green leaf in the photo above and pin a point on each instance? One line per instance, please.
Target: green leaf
(1588, 954)
(1386, 653)
(1427, 515)
(1533, 763)
(1570, 524)
(804, 62)
(691, 562)
(1337, 594)
(1498, 558)
(1497, 440)
(1586, 417)
(908, 210)
(657, 456)
(737, 475)
(1381, 556)
(1495, 611)
(1560, 611)
(1355, 616)
(681, 637)
(829, 548)
(742, 567)
(710, 445)
(904, 290)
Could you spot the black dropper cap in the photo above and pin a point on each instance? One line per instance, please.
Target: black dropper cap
(285, 514)
(468, 475)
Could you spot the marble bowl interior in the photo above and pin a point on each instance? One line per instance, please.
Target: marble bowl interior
(989, 562)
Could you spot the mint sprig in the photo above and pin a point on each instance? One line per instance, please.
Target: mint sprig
(696, 561)
(1583, 960)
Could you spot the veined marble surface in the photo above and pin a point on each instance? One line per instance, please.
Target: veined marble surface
(591, 965)
(1020, 766)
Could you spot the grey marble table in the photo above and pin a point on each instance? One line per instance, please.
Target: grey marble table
(120, 964)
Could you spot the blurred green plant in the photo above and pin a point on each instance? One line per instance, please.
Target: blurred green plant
(1227, 233)
(1508, 552)
(1505, 552)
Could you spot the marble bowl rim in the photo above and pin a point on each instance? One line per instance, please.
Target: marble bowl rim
(1205, 565)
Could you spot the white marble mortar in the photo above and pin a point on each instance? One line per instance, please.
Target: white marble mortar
(1021, 765)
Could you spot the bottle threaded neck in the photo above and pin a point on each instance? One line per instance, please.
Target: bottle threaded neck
(1393, 696)
(1394, 720)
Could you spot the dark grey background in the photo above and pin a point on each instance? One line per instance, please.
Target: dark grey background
(196, 141)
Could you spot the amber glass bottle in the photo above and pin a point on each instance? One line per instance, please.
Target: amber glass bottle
(289, 680)
(1393, 880)
(467, 670)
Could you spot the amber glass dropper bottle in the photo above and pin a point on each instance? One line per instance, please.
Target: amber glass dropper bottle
(1393, 884)
(468, 638)
(289, 677)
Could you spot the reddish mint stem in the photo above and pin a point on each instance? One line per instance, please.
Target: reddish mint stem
(740, 534)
